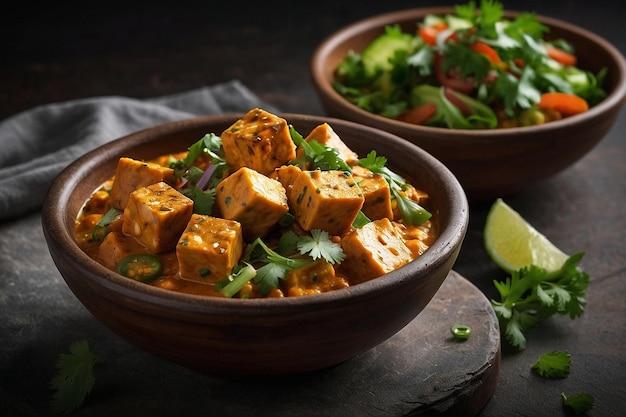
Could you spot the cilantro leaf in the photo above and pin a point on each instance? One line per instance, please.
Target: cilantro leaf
(526, 23)
(101, 229)
(469, 62)
(532, 293)
(203, 201)
(553, 364)
(412, 212)
(579, 403)
(317, 155)
(275, 266)
(266, 267)
(210, 144)
(287, 244)
(319, 245)
(74, 379)
(197, 184)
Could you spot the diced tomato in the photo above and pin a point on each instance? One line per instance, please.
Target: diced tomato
(429, 33)
(519, 62)
(419, 115)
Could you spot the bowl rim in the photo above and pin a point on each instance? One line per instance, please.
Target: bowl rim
(615, 99)
(57, 235)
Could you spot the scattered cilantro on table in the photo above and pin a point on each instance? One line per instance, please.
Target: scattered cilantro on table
(553, 365)
(579, 403)
(532, 293)
(74, 379)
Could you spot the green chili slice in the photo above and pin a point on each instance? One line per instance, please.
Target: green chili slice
(101, 229)
(142, 267)
(461, 331)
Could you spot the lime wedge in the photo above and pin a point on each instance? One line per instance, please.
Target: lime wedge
(513, 243)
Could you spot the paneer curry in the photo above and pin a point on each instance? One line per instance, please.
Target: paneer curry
(258, 211)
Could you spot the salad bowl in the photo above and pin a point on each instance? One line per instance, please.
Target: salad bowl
(489, 162)
(256, 336)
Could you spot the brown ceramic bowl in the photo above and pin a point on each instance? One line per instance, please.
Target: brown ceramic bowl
(488, 163)
(254, 336)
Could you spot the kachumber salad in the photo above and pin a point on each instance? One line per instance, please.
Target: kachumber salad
(258, 211)
(471, 69)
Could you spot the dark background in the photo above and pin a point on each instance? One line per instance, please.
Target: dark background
(143, 49)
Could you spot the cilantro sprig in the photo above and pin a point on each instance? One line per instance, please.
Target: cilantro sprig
(198, 184)
(411, 211)
(532, 293)
(74, 379)
(317, 155)
(266, 266)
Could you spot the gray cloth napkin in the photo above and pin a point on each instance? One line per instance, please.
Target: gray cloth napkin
(36, 145)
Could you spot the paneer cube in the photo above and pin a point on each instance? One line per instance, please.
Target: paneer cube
(417, 238)
(209, 248)
(327, 200)
(314, 278)
(374, 250)
(259, 140)
(325, 135)
(253, 199)
(117, 246)
(156, 215)
(286, 175)
(376, 191)
(132, 174)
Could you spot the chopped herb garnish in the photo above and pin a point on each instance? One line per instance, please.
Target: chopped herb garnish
(198, 184)
(317, 155)
(319, 245)
(232, 284)
(360, 220)
(412, 212)
(74, 379)
(579, 403)
(553, 365)
(101, 229)
(270, 266)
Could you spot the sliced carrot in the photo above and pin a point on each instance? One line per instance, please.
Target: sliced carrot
(561, 56)
(419, 115)
(487, 50)
(564, 103)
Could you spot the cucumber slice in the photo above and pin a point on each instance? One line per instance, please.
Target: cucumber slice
(376, 55)
(458, 23)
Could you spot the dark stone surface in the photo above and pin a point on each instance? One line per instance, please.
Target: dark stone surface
(141, 50)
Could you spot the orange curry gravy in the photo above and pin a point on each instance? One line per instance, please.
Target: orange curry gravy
(420, 238)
